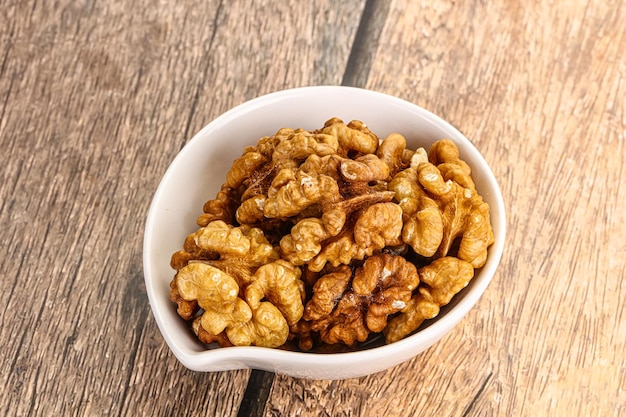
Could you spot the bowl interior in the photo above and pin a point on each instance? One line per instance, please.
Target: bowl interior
(198, 171)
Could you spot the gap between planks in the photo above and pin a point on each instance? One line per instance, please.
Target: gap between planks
(355, 75)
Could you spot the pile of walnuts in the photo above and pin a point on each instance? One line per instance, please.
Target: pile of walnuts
(328, 237)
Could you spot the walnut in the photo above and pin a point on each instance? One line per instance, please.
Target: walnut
(248, 172)
(445, 156)
(294, 190)
(304, 241)
(417, 310)
(444, 151)
(365, 168)
(355, 136)
(443, 278)
(187, 309)
(347, 308)
(267, 328)
(251, 210)
(191, 251)
(347, 192)
(301, 144)
(423, 225)
(310, 235)
(464, 214)
(387, 282)
(335, 314)
(244, 322)
(239, 250)
(377, 226)
(243, 166)
(327, 165)
(315, 239)
(230, 287)
(208, 338)
(392, 152)
(440, 213)
(302, 333)
(260, 180)
(278, 282)
(216, 292)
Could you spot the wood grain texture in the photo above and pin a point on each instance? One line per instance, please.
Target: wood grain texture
(539, 87)
(96, 98)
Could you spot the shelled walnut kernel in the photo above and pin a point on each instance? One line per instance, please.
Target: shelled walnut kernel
(331, 237)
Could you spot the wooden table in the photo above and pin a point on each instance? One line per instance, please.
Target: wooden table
(96, 99)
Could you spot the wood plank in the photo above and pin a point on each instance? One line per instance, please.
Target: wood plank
(95, 101)
(539, 88)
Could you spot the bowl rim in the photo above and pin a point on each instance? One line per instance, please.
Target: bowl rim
(423, 338)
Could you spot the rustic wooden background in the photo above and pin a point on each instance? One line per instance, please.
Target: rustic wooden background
(96, 98)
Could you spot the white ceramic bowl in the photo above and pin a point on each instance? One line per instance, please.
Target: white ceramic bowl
(199, 169)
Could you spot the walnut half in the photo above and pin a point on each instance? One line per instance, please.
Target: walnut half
(347, 307)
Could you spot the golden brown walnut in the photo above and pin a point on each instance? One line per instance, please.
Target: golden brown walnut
(392, 152)
(250, 173)
(335, 313)
(251, 210)
(264, 177)
(355, 136)
(266, 145)
(444, 154)
(261, 179)
(216, 292)
(346, 324)
(431, 180)
(327, 165)
(208, 338)
(267, 328)
(356, 177)
(464, 214)
(365, 168)
(377, 226)
(250, 322)
(418, 309)
(186, 309)
(387, 282)
(303, 243)
(240, 249)
(456, 173)
(279, 283)
(191, 252)
(444, 151)
(242, 167)
(420, 155)
(327, 291)
(443, 279)
(423, 225)
(293, 191)
(301, 144)
(347, 309)
(438, 213)
(310, 237)
(302, 334)
(243, 290)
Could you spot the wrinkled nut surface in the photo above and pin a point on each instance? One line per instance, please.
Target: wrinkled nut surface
(443, 279)
(326, 238)
(347, 307)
